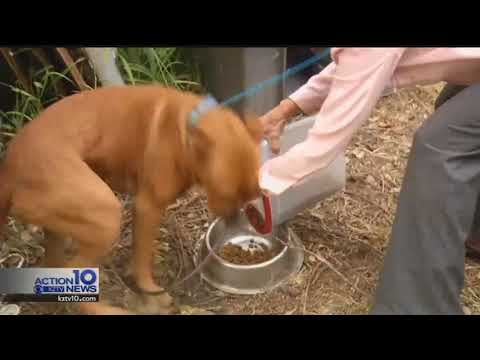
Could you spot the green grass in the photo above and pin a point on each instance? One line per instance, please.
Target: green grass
(166, 66)
(28, 105)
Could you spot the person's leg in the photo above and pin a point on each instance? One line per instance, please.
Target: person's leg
(448, 92)
(424, 267)
(473, 241)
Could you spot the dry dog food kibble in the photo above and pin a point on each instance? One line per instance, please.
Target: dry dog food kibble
(235, 254)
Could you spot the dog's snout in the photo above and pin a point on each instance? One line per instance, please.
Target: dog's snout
(224, 209)
(232, 218)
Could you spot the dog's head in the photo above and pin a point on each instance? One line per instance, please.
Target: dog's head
(227, 159)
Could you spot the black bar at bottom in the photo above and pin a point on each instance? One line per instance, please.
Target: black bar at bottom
(15, 298)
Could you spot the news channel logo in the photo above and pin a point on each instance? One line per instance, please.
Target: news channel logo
(48, 283)
(81, 281)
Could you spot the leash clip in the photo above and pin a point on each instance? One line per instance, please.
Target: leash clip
(207, 104)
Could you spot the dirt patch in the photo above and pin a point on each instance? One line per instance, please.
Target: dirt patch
(255, 254)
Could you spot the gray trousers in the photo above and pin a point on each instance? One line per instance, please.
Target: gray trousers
(423, 271)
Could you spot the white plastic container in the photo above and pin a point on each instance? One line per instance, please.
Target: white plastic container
(318, 186)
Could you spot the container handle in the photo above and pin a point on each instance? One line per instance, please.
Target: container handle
(260, 224)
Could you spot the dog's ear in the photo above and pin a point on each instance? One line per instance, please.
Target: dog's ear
(200, 143)
(254, 127)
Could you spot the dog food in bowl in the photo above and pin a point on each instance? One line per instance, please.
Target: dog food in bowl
(254, 254)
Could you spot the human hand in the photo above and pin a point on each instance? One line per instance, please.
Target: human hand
(274, 122)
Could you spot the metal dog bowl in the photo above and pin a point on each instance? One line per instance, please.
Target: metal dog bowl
(247, 279)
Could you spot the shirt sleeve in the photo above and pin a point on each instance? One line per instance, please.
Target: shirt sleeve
(310, 97)
(350, 90)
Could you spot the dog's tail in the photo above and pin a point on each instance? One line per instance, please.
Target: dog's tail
(5, 201)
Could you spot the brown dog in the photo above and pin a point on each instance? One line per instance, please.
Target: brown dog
(60, 170)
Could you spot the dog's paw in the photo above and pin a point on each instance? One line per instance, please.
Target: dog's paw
(163, 300)
(156, 304)
(148, 304)
(159, 310)
(103, 309)
(155, 309)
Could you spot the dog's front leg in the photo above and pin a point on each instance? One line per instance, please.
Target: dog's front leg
(147, 218)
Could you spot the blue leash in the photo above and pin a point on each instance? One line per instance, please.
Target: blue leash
(209, 102)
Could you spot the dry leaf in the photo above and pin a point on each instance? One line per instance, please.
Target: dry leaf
(25, 236)
(9, 309)
(164, 246)
(190, 310)
(371, 180)
(359, 154)
(384, 125)
(33, 229)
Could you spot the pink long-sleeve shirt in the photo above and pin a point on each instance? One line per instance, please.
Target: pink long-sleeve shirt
(344, 94)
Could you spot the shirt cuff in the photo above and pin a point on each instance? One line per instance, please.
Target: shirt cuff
(305, 101)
